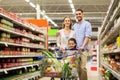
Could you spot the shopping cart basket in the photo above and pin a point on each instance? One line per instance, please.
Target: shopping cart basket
(68, 62)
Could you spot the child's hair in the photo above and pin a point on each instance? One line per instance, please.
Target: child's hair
(74, 40)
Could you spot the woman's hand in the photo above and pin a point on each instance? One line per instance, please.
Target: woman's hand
(61, 48)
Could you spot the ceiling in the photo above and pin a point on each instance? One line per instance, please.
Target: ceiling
(94, 10)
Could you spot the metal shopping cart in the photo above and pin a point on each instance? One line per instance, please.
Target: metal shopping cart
(63, 67)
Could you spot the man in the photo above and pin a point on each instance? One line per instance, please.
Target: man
(82, 30)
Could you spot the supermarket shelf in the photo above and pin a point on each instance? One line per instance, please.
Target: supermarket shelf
(24, 76)
(116, 51)
(13, 68)
(117, 75)
(21, 24)
(16, 33)
(112, 35)
(109, 12)
(31, 75)
(18, 56)
(117, 11)
(19, 45)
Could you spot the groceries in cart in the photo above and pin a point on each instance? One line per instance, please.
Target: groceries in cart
(61, 67)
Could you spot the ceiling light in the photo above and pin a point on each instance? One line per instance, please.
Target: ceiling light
(31, 4)
(70, 1)
(72, 6)
(27, 0)
(73, 10)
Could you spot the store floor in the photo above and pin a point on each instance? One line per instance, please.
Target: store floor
(92, 72)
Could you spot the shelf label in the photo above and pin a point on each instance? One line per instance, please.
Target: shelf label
(5, 71)
(31, 66)
(38, 65)
(32, 37)
(25, 67)
(6, 44)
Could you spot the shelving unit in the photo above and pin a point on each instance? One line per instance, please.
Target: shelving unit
(109, 47)
(20, 43)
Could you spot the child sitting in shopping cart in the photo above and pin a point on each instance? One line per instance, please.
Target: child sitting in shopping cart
(70, 54)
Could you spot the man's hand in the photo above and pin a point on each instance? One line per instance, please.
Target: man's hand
(80, 48)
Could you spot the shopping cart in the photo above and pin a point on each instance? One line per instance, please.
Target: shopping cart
(67, 64)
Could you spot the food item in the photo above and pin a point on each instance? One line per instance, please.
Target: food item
(6, 22)
(49, 60)
(73, 65)
(48, 69)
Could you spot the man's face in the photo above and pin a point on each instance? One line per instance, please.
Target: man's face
(79, 15)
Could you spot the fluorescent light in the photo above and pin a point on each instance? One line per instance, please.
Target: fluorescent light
(70, 1)
(72, 6)
(31, 4)
(55, 25)
(27, 0)
(73, 10)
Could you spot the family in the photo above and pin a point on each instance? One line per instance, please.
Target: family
(76, 36)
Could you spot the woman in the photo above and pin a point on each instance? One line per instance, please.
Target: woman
(65, 33)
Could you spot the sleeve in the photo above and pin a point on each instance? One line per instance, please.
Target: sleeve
(88, 30)
(58, 38)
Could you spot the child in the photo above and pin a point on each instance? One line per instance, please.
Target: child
(72, 43)
(72, 46)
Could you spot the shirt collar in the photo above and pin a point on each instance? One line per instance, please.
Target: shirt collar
(80, 21)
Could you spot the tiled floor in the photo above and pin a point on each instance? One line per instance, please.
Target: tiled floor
(92, 74)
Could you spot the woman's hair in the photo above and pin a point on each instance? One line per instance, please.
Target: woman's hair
(72, 39)
(63, 25)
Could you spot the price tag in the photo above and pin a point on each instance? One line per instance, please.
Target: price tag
(33, 37)
(31, 66)
(5, 71)
(6, 44)
(25, 67)
(38, 65)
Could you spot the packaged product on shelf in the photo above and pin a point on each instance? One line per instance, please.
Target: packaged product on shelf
(3, 35)
(7, 27)
(118, 42)
(7, 22)
(1, 10)
(0, 25)
(118, 20)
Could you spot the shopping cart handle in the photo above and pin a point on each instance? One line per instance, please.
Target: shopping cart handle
(72, 49)
(57, 49)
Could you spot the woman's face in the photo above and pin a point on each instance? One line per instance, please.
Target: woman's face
(67, 22)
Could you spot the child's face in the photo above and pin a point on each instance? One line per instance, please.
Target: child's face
(71, 44)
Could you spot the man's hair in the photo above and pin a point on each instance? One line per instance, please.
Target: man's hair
(80, 10)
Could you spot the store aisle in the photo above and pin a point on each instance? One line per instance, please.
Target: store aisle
(93, 73)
